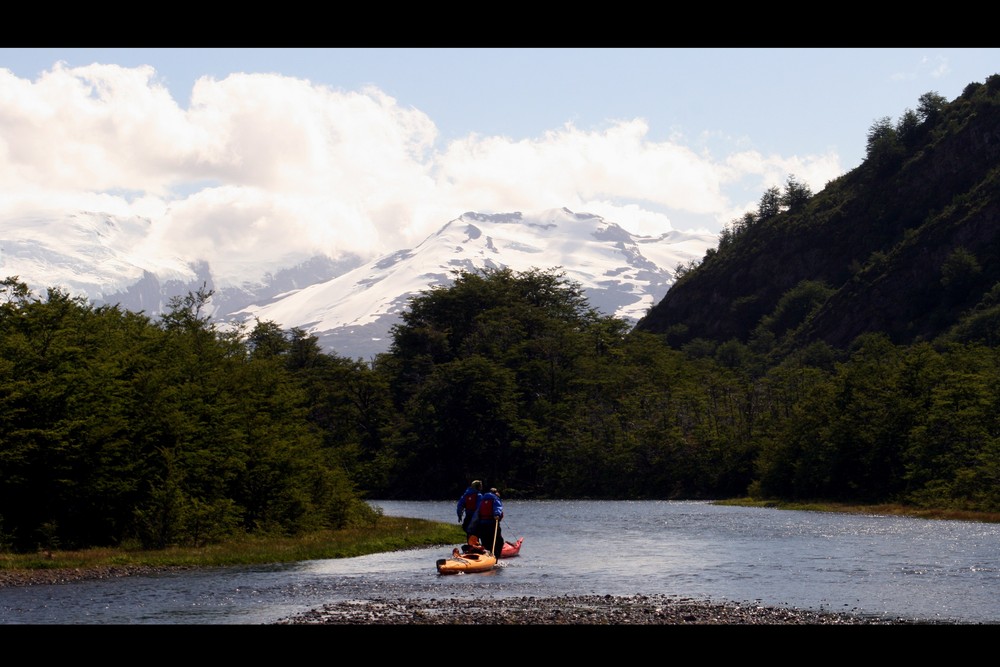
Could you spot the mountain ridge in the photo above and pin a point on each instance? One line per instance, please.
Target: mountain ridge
(622, 274)
(349, 304)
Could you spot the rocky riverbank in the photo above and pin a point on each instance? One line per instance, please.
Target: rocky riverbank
(571, 610)
(63, 575)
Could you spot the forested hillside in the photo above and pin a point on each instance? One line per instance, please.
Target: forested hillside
(907, 244)
(837, 346)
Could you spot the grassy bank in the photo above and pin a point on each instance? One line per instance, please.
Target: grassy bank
(386, 534)
(883, 509)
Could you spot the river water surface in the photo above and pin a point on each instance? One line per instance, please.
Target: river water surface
(899, 567)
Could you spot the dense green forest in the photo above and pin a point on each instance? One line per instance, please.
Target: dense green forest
(118, 429)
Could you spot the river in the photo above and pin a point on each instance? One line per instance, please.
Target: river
(900, 567)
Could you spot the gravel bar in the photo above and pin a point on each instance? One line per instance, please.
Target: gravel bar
(572, 610)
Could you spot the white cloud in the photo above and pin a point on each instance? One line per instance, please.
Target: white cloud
(940, 70)
(262, 167)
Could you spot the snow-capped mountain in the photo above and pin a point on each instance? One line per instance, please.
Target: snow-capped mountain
(621, 274)
(349, 306)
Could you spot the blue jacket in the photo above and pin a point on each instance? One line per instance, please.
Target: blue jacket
(468, 502)
(490, 507)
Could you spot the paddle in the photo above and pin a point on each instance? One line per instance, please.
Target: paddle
(496, 529)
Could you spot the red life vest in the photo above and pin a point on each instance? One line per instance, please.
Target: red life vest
(486, 508)
(470, 501)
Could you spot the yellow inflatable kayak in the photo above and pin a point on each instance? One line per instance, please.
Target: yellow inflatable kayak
(468, 562)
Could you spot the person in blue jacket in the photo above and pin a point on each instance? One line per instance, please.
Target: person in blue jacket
(489, 514)
(467, 505)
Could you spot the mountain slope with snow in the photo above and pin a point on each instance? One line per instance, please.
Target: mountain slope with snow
(348, 305)
(621, 274)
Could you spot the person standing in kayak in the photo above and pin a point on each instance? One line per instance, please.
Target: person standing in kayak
(489, 514)
(467, 505)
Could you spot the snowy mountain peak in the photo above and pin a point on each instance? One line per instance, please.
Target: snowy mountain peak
(348, 305)
(621, 274)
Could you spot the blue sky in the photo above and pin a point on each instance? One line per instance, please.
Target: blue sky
(368, 150)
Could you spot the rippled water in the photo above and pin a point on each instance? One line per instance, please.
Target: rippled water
(876, 565)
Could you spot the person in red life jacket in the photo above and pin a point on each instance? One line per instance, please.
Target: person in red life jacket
(467, 505)
(489, 514)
